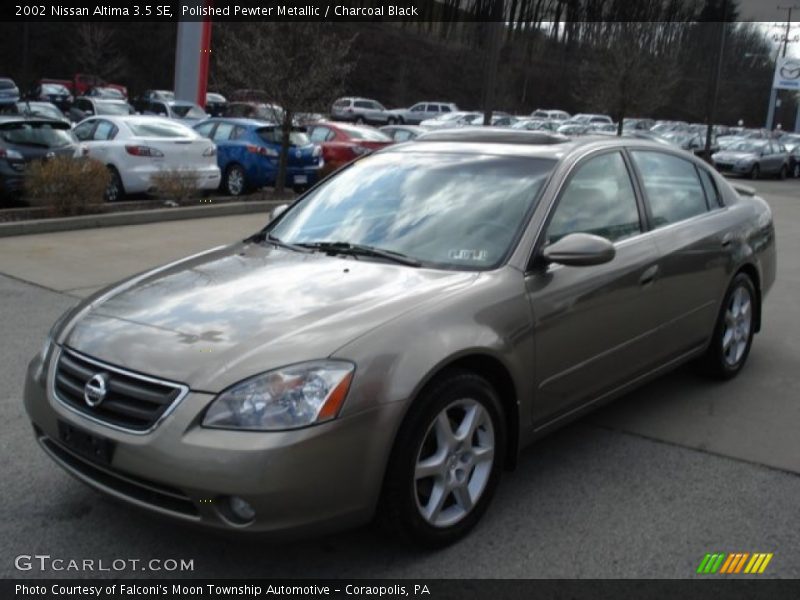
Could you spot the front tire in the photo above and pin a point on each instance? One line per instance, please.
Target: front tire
(446, 461)
(755, 172)
(733, 333)
(796, 170)
(783, 173)
(360, 120)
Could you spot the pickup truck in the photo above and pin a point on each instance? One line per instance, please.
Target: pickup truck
(81, 83)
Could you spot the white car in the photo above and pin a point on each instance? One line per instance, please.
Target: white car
(451, 119)
(135, 148)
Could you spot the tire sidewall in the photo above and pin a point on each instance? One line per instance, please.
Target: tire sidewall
(226, 183)
(400, 487)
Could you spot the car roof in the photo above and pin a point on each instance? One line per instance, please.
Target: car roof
(27, 119)
(243, 121)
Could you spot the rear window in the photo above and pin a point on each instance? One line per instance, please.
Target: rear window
(6, 84)
(370, 135)
(42, 110)
(272, 135)
(162, 129)
(54, 88)
(37, 135)
(112, 108)
(341, 104)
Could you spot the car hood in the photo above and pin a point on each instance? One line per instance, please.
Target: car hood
(727, 155)
(225, 315)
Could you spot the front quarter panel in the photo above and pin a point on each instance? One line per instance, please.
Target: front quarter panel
(490, 319)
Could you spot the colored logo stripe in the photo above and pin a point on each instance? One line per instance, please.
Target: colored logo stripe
(734, 563)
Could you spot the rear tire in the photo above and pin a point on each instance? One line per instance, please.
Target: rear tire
(446, 461)
(234, 182)
(391, 121)
(733, 333)
(360, 120)
(755, 172)
(115, 191)
(783, 173)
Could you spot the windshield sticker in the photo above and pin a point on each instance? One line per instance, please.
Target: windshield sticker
(468, 254)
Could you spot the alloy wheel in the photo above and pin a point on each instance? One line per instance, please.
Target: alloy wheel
(738, 323)
(235, 181)
(454, 463)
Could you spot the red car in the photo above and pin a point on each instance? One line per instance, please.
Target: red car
(342, 142)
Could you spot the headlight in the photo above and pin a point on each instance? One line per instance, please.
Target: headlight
(286, 398)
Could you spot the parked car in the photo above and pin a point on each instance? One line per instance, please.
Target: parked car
(55, 93)
(105, 92)
(143, 100)
(343, 142)
(188, 112)
(215, 104)
(603, 128)
(537, 124)
(387, 345)
(420, 112)
(691, 142)
(790, 140)
(261, 111)
(248, 152)
(87, 107)
(453, 119)
(360, 111)
(574, 129)
(24, 139)
(637, 124)
(81, 83)
(753, 158)
(46, 110)
(137, 147)
(9, 92)
(794, 162)
(403, 133)
(662, 127)
(550, 115)
(588, 119)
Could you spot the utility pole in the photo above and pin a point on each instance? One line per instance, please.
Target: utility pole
(496, 28)
(715, 86)
(773, 98)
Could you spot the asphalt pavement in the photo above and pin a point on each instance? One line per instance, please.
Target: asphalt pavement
(642, 488)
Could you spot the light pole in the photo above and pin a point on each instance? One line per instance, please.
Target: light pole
(715, 86)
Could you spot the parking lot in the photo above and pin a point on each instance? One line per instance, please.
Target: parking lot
(643, 488)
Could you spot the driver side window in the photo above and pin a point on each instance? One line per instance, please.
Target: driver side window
(599, 199)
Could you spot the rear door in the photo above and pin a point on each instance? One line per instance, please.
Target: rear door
(689, 231)
(594, 327)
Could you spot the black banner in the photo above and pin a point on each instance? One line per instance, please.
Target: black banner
(433, 589)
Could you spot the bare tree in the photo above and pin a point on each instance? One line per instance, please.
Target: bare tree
(97, 52)
(625, 77)
(300, 66)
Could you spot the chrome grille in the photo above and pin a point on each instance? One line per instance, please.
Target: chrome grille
(133, 402)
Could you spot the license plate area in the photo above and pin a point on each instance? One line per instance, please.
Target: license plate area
(300, 179)
(85, 444)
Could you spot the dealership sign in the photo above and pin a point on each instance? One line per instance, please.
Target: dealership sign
(787, 74)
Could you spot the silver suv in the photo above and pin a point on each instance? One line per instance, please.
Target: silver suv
(420, 112)
(360, 110)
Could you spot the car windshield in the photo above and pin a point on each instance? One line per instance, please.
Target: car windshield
(39, 135)
(364, 133)
(188, 111)
(112, 108)
(449, 211)
(747, 147)
(161, 128)
(6, 84)
(271, 135)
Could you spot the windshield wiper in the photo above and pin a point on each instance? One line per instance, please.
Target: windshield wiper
(264, 236)
(361, 250)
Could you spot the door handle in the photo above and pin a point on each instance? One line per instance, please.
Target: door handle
(727, 240)
(649, 276)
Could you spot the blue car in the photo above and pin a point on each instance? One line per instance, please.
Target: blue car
(9, 93)
(248, 152)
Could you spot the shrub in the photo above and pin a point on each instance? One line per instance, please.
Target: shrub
(65, 185)
(179, 185)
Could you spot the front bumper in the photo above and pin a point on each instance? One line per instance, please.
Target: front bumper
(307, 481)
(734, 168)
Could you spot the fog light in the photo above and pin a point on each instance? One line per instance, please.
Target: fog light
(241, 509)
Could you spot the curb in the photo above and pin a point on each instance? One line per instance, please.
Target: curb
(136, 217)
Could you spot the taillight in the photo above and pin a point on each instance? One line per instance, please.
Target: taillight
(262, 151)
(210, 151)
(147, 151)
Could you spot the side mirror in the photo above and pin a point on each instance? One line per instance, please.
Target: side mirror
(580, 250)
(278, 211)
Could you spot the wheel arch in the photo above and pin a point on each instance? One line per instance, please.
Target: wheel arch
(751, 271)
